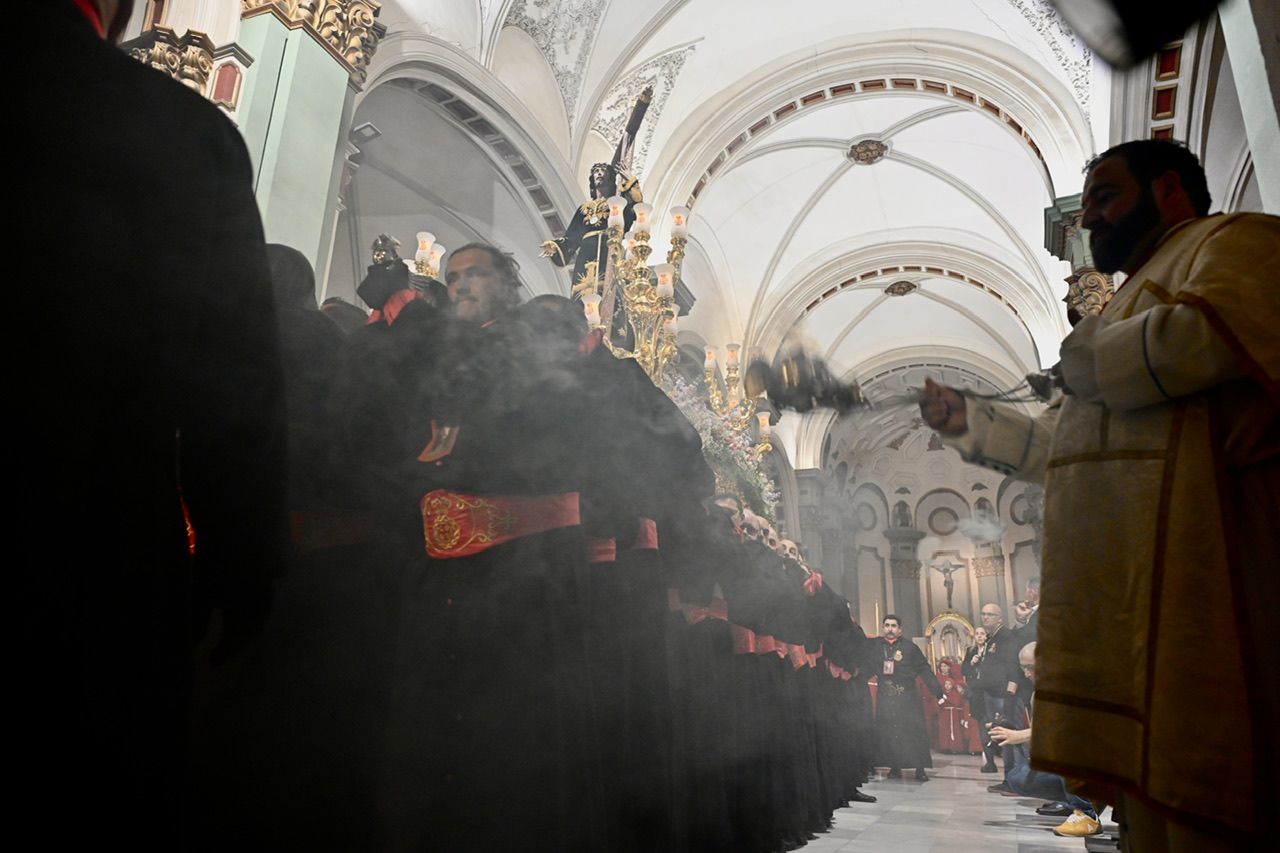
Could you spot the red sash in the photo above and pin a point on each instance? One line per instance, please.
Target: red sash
(744, 640)
(459, 525)
(602, 550)
(394, 305)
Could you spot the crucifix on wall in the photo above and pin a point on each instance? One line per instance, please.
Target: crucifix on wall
(948, 570)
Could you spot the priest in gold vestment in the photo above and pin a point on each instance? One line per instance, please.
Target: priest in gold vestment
(1161, 468)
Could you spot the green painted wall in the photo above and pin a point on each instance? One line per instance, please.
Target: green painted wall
(295, 114)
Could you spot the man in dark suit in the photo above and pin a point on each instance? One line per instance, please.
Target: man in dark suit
(150, 461)
(1027, 614)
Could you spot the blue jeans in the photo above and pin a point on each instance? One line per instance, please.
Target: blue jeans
(1043, 786)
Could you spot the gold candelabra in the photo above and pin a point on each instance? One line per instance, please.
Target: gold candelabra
(648, 295)
(738, 412)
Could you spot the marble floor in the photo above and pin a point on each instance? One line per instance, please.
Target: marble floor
(952, 812)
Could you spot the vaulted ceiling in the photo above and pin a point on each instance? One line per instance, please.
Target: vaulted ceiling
(868, 176)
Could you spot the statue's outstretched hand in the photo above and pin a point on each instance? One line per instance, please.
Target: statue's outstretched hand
(548, 249)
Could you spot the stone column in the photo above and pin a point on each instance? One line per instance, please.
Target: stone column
(849, 571)
(905, 568)
(296, 108)
(989, 569)
(1087, 289)
(1251, 30)
(810, 489)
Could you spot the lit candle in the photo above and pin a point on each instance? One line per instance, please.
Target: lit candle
(710, 363)
(666, 280)
(762, 418)
(671, 326)
(617, 204)
(731, 354)
(422, 257)
(643, 212)
(591, 308)
(680, 221)
(437, 252)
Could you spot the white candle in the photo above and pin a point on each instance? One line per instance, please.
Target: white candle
(643, 212)
(615, 221)
(425, 240)
(680, 221)
(617, 204)
(731, 354)
(762, 418)
(671, 325)
(666, 280)
(591, 308)
(710, 363)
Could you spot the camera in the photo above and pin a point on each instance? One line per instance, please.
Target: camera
(997, 719)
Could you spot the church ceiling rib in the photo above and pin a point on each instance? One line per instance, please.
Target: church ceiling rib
(977, 321)
(969, 192)
(919, 118)
(917, 86)
(868, 279)
(787, 145)
(854, 322)
(977, 198)
(810, 203)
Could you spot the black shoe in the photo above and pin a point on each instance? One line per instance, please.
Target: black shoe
(989, 767)
(1055, 810)
(920, 775)
(859, 797)
(1000, 788)
(895, 773)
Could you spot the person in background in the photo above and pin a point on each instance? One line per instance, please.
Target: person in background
(900, 730)
(1166, 440)
(152, 461)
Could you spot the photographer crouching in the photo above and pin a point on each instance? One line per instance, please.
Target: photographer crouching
(1021, 779)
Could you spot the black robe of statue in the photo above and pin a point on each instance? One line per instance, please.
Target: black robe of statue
(901, 737)
(586, 240)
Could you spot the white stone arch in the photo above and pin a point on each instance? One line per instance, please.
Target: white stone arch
(421, 57)
(519, 157)
(810, 279)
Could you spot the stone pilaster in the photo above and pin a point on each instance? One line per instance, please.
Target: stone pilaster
(904, 566)
(187, 58)
(296, 108)
(1087, 289)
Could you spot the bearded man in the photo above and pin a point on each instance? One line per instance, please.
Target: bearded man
(1161, 479)
(900, 733)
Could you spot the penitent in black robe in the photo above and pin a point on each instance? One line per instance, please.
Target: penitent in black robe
(901, 737)
(490, 741)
